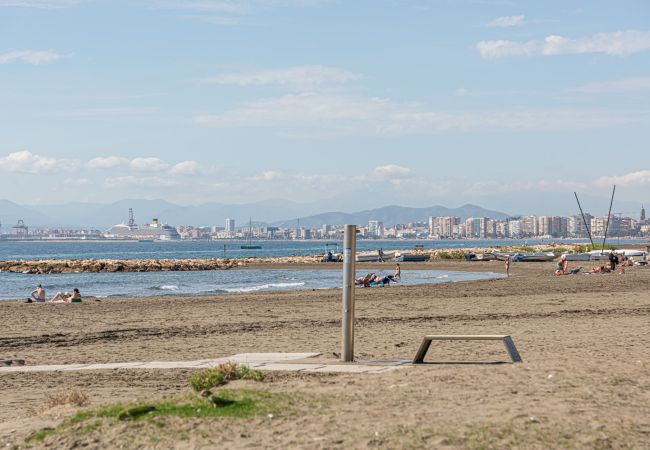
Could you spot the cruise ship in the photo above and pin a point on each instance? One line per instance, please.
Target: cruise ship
(152, 231)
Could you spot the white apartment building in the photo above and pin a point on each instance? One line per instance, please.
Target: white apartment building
(375, 228)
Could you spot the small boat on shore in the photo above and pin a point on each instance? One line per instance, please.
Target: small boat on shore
(577, 256)
(410, 257)
(375, 257)
(480, 257)
(535, 257)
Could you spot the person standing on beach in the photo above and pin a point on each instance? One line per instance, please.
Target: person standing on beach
(398, 272)
(613, 260)
(508, 266)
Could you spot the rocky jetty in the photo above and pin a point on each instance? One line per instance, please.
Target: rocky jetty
(163, 265)
(116, 265)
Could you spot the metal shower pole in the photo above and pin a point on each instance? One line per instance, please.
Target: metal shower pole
(349, 260)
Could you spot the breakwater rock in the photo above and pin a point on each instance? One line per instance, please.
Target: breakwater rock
(116, 265)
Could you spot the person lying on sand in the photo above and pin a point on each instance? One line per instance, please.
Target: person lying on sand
(75, 297)
(601, 269)
(365, 280)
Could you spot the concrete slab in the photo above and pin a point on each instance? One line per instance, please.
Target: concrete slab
(269, 357)
(349, 369)
(280, 362)
(279, 367)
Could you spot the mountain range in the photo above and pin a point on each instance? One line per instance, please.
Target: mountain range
(276, 213)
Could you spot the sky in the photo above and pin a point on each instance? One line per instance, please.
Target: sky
(355, 103)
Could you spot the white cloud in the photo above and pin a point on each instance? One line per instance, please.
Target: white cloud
(32, 57)
(614, 43)
(630, 84)
(507, 21)
(27, 162)
(299, 76)
(148, 165)
(186, 168)
(390, 171)
(77, 182)
(106, 162)
(144, 182)
(344, 115)
(269, 175)
(639, 178)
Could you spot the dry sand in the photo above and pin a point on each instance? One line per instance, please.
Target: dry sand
(584, 383)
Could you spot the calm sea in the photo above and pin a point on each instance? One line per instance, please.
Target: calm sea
(215, 249)
(18, 285)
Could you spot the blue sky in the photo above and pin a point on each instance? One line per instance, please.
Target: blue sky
(401, 101)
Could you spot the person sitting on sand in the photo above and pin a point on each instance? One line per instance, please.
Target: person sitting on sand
(75, 297)
(562, 267)
(37, 295)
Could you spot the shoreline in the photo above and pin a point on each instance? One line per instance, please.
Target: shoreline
(413, 274)
(50, 266)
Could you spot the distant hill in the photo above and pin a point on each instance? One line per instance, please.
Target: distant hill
(103, 216)
(10, 212)
(392, 215)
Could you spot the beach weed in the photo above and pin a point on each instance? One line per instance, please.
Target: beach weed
(42, 434)
(207, 379)
(456, 254)
(66, 397)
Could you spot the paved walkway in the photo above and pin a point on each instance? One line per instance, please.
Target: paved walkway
(283, 362)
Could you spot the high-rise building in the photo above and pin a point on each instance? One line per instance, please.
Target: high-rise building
(514, 228)
(230, 227)
(432, 226)
(642, 215)
(476, 227)
(375, 228)
(529, 226)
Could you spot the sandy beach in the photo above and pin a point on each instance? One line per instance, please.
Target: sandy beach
(584, 382)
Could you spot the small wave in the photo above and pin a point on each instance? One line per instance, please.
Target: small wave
(262, 287)
(165, 287)
(442, 276)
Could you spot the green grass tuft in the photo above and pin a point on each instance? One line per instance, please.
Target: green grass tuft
(237, 403)
(207, 379)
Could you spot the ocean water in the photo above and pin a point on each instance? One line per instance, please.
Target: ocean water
(18, 285)
(216, 249)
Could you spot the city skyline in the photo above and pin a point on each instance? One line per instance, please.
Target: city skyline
(324, 100)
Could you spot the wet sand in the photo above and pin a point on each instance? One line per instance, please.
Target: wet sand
(584, 383)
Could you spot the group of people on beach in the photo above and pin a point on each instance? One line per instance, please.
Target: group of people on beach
(373, 279)
(39, 295)
(562, 267)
